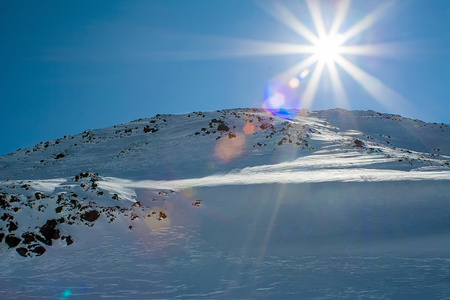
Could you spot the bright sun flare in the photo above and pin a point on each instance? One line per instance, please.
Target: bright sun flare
(328, 48)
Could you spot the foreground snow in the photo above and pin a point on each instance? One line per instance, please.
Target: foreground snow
(330, 205)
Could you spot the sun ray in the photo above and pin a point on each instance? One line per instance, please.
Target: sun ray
(273, 219)
(308, 96)
(379, 91)
(284, 16)
(338, 88)
(224, 47)
(341, 13)
(393, 49)
(315, 11)
(246, 47)
(366, 23)
(295, 70)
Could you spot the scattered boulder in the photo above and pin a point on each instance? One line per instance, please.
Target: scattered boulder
(12, 226)
(266, 126)
(36, 248)
(148, 129)
(28, 237)
(359, 144)
(49, 231)
(12, 240)
(6, 217)
(223, 127)
(60, 155)
(68, 239)
(161, 216)
(3, 202)
(81, 175)
(90, 216)
(22, 251)
(39, 196)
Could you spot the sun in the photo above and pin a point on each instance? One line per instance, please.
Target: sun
(328, 48)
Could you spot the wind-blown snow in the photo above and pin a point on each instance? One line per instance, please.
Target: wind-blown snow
(310, 169)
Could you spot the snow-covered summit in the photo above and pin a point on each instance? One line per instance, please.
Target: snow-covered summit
(203, 143)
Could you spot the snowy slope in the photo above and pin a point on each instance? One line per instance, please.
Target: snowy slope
(235, 203)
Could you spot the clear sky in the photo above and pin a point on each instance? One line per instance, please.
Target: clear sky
(68, 66)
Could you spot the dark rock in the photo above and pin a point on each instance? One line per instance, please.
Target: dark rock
(7, 217)
(13, 226)
(161, 216)
(68, 239)
(359, 143)
(90, 216)
(28, 237)
(58, 209)
(148, 129)
(38, 249)
(81, 175)
(12, 240)
(74, 203)
(14, 199)
(43, 240)
(60, 155)
(265, 126)
(39, 196)
(22, 251)
(3, 202)
(49, 232)
(2, 235)
(223, 127)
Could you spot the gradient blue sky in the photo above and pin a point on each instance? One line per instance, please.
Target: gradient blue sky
(68, 66)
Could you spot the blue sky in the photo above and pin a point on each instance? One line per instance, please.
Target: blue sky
(68, 66)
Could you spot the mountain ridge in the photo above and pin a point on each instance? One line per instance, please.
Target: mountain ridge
(161, 134)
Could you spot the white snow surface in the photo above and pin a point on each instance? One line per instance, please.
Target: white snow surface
(238, 203)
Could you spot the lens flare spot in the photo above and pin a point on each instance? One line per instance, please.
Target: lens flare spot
(294, 82)
(249, 128)
(230, 146)
(304, 73)
(66, 294)
(277, 100)
(187, 192)
(280, 99)
(158, 219)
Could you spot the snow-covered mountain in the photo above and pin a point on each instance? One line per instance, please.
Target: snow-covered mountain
(240, 203)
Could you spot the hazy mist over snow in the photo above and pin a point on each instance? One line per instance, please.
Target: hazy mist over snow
(239, 203)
